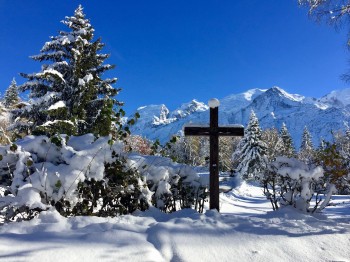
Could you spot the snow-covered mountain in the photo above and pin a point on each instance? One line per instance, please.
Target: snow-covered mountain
(339, 98)
(273, 107)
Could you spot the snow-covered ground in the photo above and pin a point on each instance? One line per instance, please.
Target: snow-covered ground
(245, 230)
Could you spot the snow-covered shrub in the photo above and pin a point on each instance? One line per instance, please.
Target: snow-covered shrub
(121, 191)
(175, 185)
(88, 176)
(44, 174)
(289, 181)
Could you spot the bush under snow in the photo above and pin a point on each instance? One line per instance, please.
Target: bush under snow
(76, 172)
(289, 181)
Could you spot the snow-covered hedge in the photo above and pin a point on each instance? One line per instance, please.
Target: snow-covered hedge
(90, 176)
(175, 186)
(289, 181)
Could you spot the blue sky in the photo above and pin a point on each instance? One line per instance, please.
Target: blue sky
(173, 51)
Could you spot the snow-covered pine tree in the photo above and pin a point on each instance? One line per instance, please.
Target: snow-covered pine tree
(69, 95)
(11, 97)
(288, 147)
(251, 153)
(307, 151)
(306, 142)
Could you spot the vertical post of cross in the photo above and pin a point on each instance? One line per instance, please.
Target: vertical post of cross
(214, 154)
(214, 131)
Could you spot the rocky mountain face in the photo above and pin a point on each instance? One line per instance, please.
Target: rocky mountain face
(272, 106)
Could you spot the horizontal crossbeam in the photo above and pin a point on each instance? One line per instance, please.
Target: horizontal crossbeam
(207, 131)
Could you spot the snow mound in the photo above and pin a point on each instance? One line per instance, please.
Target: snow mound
(252, 235)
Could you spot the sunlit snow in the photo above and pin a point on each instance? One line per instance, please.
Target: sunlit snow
(213, 103)
(245, 230)
(57, 105)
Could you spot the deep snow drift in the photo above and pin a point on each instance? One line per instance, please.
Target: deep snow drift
(245, 230)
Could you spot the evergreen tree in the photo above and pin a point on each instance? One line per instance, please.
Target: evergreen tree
(69, 95)
(306, 141)
(288, 148)
(11, 97)
(306, 152)
(251, 153)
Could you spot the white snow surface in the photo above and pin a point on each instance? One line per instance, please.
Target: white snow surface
(52, 72)
(245, 230)
(57, 105)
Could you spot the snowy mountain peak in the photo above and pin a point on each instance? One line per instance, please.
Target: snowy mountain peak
(235, 102)
(281, 92)
(189, 108)
(245, 96)
(251, 94)
(272, 106)
(152, 115)
(152, 110)
(163, 116)
(337, 98)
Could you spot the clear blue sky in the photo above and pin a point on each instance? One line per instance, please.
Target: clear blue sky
(173, 51)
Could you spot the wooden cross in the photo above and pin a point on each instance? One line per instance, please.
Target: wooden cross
(214, 131)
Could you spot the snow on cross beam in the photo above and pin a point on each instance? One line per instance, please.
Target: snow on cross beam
(214, 131)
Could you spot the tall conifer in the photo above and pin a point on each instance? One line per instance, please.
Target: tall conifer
(69, 95)
(11, 97)
(306, 152)
(251, 153)
(288, 147)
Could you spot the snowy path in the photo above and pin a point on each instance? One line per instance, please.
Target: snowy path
(246, 230)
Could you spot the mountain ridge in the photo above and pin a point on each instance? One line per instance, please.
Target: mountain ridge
(273, 107)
